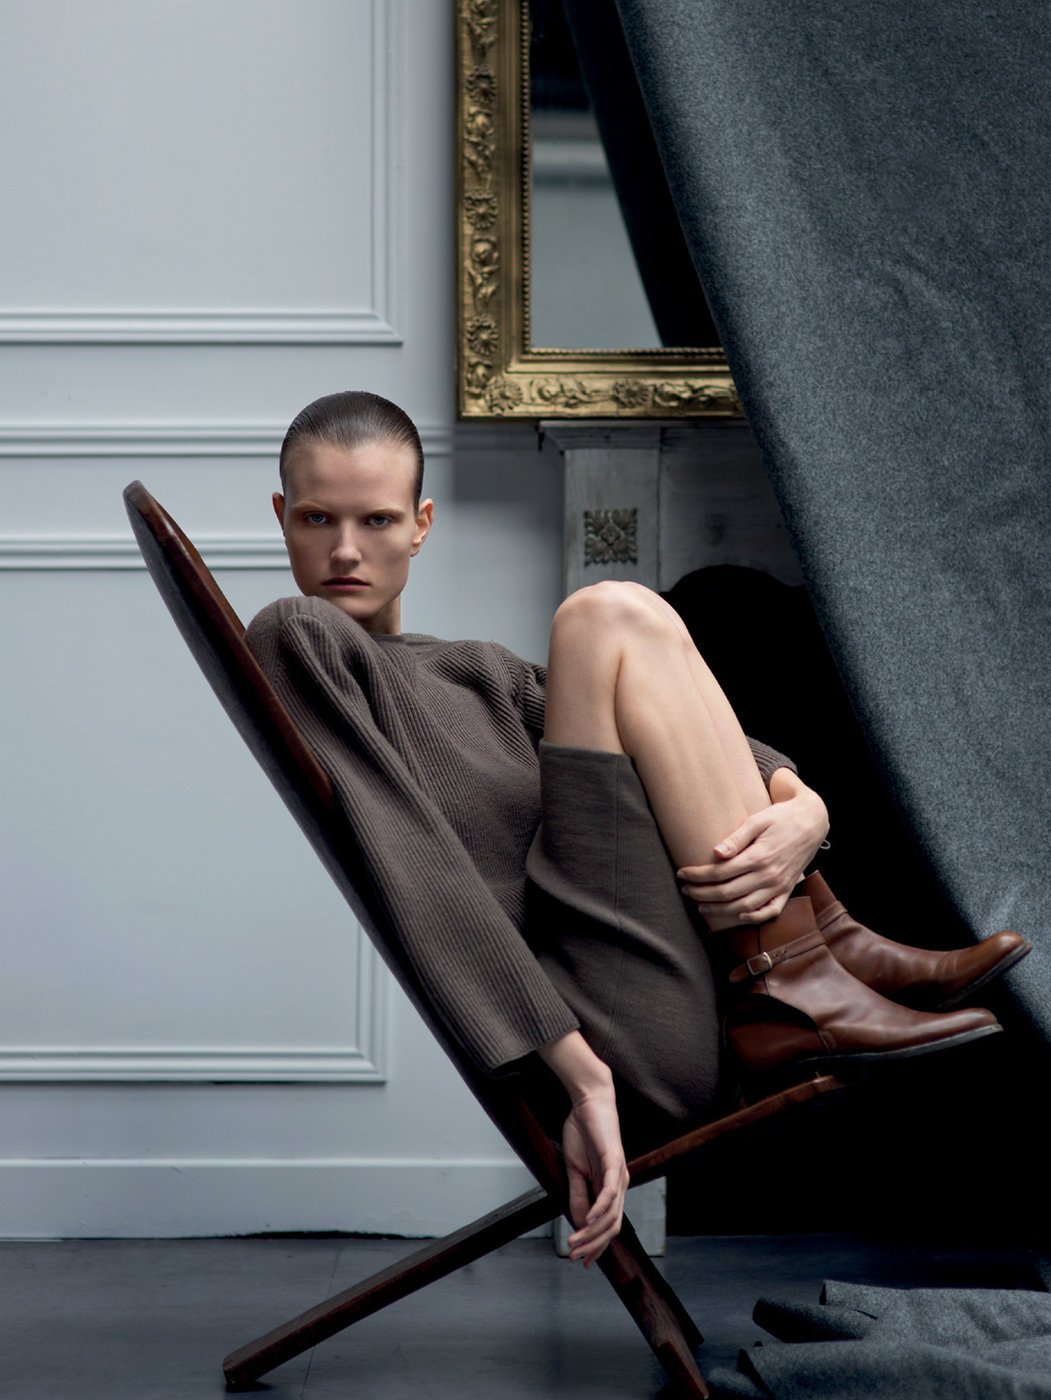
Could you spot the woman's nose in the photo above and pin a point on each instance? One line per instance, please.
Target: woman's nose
(346, 550)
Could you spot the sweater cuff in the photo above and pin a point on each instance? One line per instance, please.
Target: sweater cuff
(768, 760)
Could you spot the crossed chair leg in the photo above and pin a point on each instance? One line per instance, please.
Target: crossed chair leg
(648, 1297)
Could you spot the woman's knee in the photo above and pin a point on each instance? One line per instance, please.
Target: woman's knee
(615, 608)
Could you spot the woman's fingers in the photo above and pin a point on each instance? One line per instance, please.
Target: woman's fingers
(715, 875)
(588, 1244)
(766, 911)
(748, 890)
(579, 1198)
(742, 836)
(603, 1220)
(768, 867)
(608, 1200)
(734, 887)
(744, 861)
(595, 1166)
(748, 896)
(745, 911)
(597, 1223)
(760, 862)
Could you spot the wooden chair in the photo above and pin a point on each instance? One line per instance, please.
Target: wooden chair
(215, 635)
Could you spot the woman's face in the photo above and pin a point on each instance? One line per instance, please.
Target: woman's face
(351, 526)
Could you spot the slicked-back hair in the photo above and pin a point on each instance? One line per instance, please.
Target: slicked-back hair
(350, 419)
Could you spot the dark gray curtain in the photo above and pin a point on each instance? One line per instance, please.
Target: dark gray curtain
(865, 192)
(663, 259)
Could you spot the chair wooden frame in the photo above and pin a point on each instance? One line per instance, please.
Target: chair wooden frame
(215, 636)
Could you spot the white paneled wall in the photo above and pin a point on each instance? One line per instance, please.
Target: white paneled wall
(216, 210)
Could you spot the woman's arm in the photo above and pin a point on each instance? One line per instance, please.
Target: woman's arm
(760, 862)
(466, 958)
(591, 1145)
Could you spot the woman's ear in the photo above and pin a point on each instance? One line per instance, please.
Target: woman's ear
(279, 509)
(424, 521)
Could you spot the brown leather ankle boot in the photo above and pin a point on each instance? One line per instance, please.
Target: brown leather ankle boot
(916, 977)
(796, 1006)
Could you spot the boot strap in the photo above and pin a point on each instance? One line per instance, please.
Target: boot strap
(763, 962)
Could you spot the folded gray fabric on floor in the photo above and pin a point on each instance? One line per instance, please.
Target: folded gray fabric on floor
(900, 1344)
(864, 191)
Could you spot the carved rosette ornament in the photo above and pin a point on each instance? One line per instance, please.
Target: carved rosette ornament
(611, 536)
(503, 395)
(501, 375)
(480, 210)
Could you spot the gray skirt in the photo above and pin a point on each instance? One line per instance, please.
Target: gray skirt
(615, 935)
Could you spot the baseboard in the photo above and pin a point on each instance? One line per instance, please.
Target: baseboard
(135, 1199)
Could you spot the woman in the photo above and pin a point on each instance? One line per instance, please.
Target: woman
(633, 758)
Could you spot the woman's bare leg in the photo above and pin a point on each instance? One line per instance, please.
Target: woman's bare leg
(626, 677)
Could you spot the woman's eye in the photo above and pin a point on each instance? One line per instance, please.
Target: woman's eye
(378, 521)
(315, 517)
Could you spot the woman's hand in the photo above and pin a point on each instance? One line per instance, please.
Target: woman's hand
(596, 1168)
(758, 865)
(594, 1156)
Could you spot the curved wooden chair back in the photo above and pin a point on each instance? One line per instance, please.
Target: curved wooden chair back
(215, 635)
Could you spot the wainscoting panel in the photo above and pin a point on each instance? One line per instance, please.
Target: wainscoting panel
(225, 208)
(200, 171)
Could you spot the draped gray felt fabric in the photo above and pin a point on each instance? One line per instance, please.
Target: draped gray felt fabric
(938, 1343)
(661, 255)
(865, 191)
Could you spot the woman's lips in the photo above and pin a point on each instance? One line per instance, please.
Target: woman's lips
(344, 585)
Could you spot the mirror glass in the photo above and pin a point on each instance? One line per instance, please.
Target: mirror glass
(577, 292)
(586, 292)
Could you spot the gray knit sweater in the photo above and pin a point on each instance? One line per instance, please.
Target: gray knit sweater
(431, 747)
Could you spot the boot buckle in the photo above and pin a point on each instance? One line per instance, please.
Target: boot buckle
(761, 963)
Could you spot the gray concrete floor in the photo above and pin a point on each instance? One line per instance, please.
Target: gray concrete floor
(138, 1319)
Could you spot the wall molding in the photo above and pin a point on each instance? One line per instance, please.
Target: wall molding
(370, 325)
(74, 441)
(62, 553)
(141, 439)
(364, 1061)
(172, 1198)
(226, 326)
(198, 1065)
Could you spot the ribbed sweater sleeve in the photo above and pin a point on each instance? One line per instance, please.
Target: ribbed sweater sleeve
(768, 760)
(532, 698)
(469, 960)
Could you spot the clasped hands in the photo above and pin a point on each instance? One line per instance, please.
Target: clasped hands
(759, 863)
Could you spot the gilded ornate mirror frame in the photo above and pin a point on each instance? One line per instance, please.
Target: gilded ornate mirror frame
(500, 373)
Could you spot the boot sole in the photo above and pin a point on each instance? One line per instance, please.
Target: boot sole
(998, 970)
(843, 1064)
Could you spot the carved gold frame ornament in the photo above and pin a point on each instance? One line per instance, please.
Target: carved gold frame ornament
(500, 374)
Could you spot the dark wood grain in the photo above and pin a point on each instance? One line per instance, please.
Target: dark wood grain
(398, 1280)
